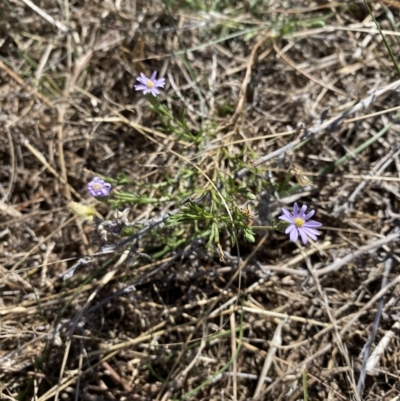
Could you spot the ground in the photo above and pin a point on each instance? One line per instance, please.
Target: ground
(181, 284)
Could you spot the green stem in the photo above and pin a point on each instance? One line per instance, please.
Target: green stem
(262, 228)
(396, 66)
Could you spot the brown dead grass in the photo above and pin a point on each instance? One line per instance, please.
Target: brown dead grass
(69, 112)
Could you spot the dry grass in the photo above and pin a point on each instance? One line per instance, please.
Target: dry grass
(172, 322)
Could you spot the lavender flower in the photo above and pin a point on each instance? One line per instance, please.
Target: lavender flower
(298, 224)
(150, 85)
(97, 187)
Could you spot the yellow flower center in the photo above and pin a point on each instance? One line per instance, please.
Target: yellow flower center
(97, 186)
(299, 222)
(150, 84)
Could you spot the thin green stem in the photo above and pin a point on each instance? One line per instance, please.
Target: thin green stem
(396, 66)
(262, 227)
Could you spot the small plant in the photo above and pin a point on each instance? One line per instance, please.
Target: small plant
(202, 213)
(206, 212)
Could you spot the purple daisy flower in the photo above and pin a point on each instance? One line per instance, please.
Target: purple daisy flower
(97, 187)
(298, 224)
(150, 85)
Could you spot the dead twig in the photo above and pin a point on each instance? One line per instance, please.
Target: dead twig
(46, 16)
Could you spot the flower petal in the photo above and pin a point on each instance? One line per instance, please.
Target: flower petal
(311, 235)
(142, 79)
(302, 211)
(309, 215)
(312, 223)
(153, 76)
(287, 219)
(295, 210)
(159, 83)
(303, 235)
(294, 235)
(290, 229)
(287, 213)
(311, 232)
(140, 87)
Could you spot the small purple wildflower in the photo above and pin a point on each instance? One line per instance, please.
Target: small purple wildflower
(97, 187)
(298, 224)
(150, 85)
